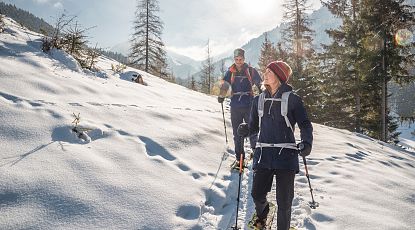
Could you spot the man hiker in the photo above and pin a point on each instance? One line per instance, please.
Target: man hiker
(273, 116)
(241, 78)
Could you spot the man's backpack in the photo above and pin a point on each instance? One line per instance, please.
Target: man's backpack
(248, 75)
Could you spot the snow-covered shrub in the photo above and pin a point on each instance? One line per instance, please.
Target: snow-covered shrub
(70, 37)
(91, 58)
(119, 68)
(74, 42)
(81, 134)
(65, 59)
(47, 44)
(2, 24)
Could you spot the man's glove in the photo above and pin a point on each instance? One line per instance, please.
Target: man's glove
(305, 148)
(221, 99)
(243, 130)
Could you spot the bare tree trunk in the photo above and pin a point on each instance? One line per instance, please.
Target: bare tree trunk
(147, 35)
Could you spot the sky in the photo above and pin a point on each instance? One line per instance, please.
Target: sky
(156, 156)
(188, 24)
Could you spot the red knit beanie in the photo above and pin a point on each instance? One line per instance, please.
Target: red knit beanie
(281, 69)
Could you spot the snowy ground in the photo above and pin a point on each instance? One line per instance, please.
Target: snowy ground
(407, 136)
(157, 157)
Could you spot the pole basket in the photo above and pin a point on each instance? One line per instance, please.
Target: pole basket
(313, 204)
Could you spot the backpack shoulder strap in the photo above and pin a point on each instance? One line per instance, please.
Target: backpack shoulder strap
(232, 77)
(249, 74)
(284, 108)
(261, 102)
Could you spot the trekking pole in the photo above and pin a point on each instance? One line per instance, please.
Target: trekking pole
(241, 168)
(224, 125)
(312, 204)
(241, 165)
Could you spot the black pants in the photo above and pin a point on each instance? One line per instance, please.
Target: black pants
(261, 185)
(238, 115)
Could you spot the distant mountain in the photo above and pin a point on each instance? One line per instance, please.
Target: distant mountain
(321, 19)
(181, 65)
(122, 48)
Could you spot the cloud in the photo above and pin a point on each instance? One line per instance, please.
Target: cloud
(41, 1)
(58, 5)
(55, 4)
(219, 47)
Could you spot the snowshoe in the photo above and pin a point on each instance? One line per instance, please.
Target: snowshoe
(235, 165)
(265, 224)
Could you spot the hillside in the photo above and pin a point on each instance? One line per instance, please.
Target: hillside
(157, 158)
(25, 18)
(145, 140)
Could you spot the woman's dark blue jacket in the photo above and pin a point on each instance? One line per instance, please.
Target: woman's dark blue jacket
(274, 130)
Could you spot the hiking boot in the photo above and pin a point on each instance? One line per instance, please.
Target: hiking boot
(260, 223)
(235, 166)
(234, 163)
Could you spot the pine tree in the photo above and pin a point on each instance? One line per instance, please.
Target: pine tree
(222, 67)
(268, 53)
(147, 50)
(299, 36)
(192, 83)
(314, 98)
(342, 59)
(282, 54)
(366, 58)
(387, 18)
(207, 78)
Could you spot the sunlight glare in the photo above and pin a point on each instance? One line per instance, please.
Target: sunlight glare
(403, 37)
(255, 7)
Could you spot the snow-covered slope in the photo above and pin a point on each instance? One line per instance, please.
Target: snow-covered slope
(157, 157)
(154, 148)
